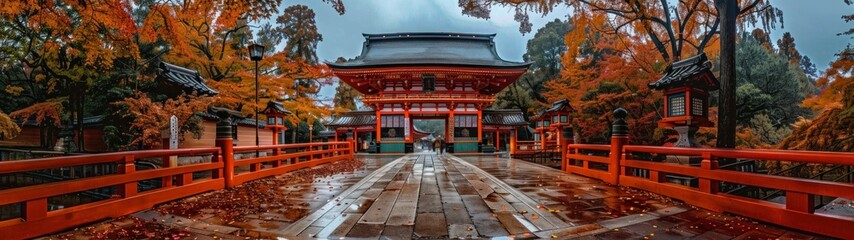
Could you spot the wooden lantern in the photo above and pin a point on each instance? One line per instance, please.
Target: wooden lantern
(552, 121)
(686, 85)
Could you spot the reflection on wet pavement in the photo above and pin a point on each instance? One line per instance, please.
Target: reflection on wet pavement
(622, 212)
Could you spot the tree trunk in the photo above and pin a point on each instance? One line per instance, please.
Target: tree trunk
(727, 12)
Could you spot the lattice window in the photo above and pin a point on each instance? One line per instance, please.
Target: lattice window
(697, 106)
(676, 105)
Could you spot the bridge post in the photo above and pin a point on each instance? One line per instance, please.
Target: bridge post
(512, 149)
(166, 162)
(708, 185)
(225, 142)
(351, 139)
(127, 167)
(619, 138)
(565, 140)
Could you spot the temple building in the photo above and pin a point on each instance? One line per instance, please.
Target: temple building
(447, 76)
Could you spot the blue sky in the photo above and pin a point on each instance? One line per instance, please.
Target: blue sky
(813, 24)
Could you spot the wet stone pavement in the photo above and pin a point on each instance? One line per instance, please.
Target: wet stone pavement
(609, 212)
(431, 197)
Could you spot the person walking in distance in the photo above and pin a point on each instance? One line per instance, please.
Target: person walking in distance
(437, 145)
(441, 146)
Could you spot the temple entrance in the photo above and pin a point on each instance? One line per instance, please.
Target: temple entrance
(452, 78)
(426, 131)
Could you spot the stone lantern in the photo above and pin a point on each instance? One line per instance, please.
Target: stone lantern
(686, 85)
(276, 112)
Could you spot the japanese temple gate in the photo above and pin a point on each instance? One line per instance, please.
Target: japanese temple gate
(448, 76)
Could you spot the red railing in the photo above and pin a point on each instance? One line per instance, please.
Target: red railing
(588, 160)
(177, 181)
(797, 212)
(278, 162)
(531, 147)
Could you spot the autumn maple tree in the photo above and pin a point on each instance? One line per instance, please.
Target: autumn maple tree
(79, 57)
(152, 117)
(602, 72)
(685, 29)
(832, 129)
(53, 50)
(8, 128)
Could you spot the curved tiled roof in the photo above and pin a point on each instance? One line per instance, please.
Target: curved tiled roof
(438, 49)
(277, 106)
(186, 78)
(355, 118)
(695, 70)
(506, 117)
(237, 117)
(556, 106)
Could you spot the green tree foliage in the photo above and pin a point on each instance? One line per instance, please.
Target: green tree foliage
(544, 53)
(767, 84)
(764, 128)
(437, 127)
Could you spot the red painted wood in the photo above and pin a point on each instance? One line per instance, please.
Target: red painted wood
(801, 202)
(34, 198)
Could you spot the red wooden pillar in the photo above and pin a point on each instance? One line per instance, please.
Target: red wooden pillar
(449, 126)
(564, 139)
(407, 138)
(34, 209)
(379, 125)
(708, 185)
(127, 167)
(542, 131)
(479, 125)
(801, 202)
(166, 162)
(619, 138)
(225, 142)
(497, 140)
(513, 141)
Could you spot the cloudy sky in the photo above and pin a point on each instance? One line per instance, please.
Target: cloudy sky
(813, 24)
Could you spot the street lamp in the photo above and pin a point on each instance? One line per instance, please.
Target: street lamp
(256, 53)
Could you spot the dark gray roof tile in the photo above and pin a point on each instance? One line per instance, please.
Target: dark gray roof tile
(505, 117)
(695, 71)
(189, 79)
(441, 49)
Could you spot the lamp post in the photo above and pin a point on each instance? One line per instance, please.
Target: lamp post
(256, 53)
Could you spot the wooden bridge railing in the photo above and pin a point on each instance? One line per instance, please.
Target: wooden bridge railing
(177, 181)
(797, 212)
(588, 160)
(631, 166)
